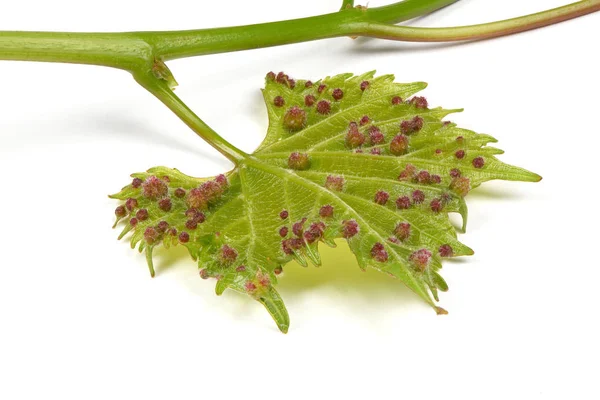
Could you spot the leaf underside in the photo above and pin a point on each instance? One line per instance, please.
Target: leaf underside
(351, 157)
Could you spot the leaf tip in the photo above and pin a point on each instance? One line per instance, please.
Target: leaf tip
(283, 328)
(150, 261)
(440, 311)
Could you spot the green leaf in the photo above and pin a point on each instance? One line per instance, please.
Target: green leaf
(348, 157)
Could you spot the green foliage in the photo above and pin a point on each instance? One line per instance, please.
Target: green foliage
(348, 157)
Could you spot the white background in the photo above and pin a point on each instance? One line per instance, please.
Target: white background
(80, 317)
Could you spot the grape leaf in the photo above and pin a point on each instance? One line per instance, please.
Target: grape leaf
(348, 157)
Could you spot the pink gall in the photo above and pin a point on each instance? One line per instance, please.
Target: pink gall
(180, 193)
(337, 94)
(461, 186)
(420, 259)
(418, 197)
(289, 246)
(382, 197)
(136, 183)
(309, 100)
(423, 177)
(142, 214)
(249, 286)
(222, 181)
(162, 226)
(335, 183)
(403, 203)
(154, 188)
(298, 227)
(324, 107)
(263, 279)
(165, 204)
(354, 138)
(350, 229)
(412, 126)
(446, 250)
(402, 231)
(455, 173)
(227, 255)
(326, 211)
(191, 224)
(436, 205)
(375, 136)
(399, 145)
(211, 190)
(120, 211)
(478, 162)
(184, 237)
(283, 231)
(298, 161)
(294, 119)
(314, 232)
(364, 85)
(131, 204)
(197, 199)
(151, 235)
(419, 102)
(378, 253)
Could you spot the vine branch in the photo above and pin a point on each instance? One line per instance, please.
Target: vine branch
(481, 31)
(143, 53)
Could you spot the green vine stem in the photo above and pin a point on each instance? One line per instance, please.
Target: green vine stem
(143, 53)
(161, 88)
(481, 31)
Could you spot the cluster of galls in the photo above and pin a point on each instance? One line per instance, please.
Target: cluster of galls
(225, 257)
(295, 117)
(155, 234)
(301, 236)
(156, 190)
(260, 281)
(461, 185)
(419, 259)
(412, 174)
(153, 188)
(423, 177)
(372, 136)
(282, 79)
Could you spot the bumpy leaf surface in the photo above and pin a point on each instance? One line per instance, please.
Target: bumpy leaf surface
(349, 157)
